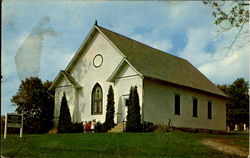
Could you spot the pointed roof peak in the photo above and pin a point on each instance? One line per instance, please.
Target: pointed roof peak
(96, 24)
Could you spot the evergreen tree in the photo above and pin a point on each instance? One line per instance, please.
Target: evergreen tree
(238, 108)
(237, 103)
(129, 112)
(64, 124)
(109, 121)
(47, 114)
(134, 117)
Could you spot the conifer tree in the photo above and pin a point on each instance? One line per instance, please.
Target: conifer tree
(133, 123)
(110, 110)
(129, 112)
(237, 103)
(64, 124)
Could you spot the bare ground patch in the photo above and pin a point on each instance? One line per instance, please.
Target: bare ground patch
(221, 145)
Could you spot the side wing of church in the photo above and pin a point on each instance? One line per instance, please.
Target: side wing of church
(170, 89)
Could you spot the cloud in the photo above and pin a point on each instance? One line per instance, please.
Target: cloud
(185, 14)
(163, 45)
(60, 59)
(228, 68)
(29, 53)
(197, 40)
(28, 57)
(206, 49)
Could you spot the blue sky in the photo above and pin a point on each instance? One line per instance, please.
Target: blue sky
(40, 37)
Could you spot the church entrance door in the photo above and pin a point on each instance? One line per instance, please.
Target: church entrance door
(124, 109)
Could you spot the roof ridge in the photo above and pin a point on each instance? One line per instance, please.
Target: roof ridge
(159, 51)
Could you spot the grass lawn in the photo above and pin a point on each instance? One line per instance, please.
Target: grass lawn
(107, 145)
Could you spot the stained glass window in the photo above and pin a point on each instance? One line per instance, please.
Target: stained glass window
(97, 100)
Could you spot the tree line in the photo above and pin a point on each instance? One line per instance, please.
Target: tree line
(237, 103)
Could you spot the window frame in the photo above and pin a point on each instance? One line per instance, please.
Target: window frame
(93, 100)
(177, 108)
(195, 112)
(209, 109)
(126, 101)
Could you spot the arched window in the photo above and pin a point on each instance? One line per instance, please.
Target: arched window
(96, 106)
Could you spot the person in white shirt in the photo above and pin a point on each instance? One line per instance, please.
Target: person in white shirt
(93, 126)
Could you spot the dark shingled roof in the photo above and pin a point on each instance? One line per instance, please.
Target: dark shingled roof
(153, 63)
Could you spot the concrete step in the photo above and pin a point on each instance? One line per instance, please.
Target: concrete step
(119, 126)
(117, 129)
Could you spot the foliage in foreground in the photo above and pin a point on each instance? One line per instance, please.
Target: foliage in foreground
(231, 16)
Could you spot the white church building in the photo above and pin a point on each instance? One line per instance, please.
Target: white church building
(169, 87)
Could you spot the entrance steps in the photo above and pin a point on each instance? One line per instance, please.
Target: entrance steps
(118, 128)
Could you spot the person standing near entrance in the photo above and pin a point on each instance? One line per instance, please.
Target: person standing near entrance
(84, 124)
(88, 127)
(93, 126)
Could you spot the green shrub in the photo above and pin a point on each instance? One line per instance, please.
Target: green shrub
(147, 127)
(64, 124)
(99, 127)
(133, 123)
(76, 128)
(110, 111)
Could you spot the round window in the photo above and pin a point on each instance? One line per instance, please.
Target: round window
(98, 60)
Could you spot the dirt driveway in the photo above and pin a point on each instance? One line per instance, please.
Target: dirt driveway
(220, 145)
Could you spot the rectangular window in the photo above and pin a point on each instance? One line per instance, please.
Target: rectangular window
(177, 104)
(209, 110)
(126, 102)
(195, 107)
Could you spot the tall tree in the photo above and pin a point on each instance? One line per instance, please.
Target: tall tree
(47, 114)
(109, 120)
(230, 16)
(224, 88)
(33, 101)
(64, 124)
(238, 102)
(133, 123)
